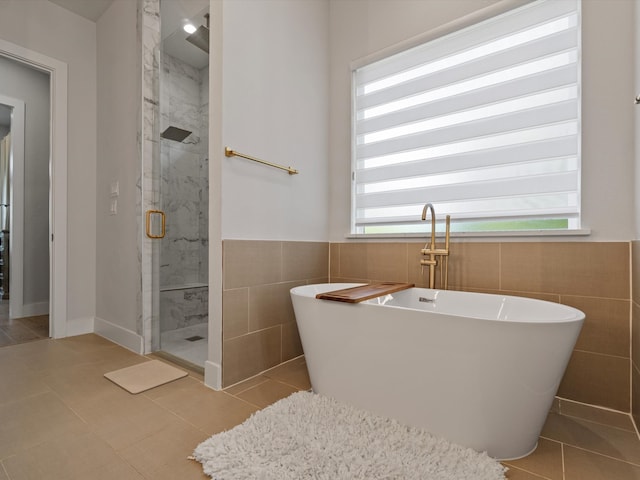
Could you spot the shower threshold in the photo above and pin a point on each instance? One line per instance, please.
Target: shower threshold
(180, 362)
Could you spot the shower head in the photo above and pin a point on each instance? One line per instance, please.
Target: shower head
(200, 38)
(175, 133)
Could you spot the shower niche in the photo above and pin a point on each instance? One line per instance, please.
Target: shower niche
(183, 178)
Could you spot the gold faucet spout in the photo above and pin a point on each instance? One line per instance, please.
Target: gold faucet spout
(427, 207)
(432, 262)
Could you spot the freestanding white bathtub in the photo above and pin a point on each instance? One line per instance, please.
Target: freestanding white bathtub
(479, 370)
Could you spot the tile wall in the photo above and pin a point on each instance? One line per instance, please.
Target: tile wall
(635, 331)
(591, 276)
(184, 178)
(259, 328)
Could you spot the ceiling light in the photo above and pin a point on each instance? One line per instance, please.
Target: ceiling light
(189, 28)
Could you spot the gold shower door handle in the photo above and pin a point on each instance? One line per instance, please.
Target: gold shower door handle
(162, 220)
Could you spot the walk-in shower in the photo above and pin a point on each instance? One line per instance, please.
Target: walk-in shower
(184, 191)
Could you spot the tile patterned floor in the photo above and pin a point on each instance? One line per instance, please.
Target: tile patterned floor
(582, 443)
(61, 419)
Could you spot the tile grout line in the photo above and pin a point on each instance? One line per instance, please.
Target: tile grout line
(181, 418)
(259, 407)
(633, 421)
(242, 400)
(174, 414)
(637, 465)
(245, 389)
(297, 387)
(604, 424)
(597, 407)
(90, 428)
(603, 355)
(537, 475)
(80, 417)
(28, 397)
(4, 469)
(608, 425)
(264, 372)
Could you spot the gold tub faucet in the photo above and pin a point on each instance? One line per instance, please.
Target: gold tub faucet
(433, 252)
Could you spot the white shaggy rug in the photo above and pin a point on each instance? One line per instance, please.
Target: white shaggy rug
(307, 436)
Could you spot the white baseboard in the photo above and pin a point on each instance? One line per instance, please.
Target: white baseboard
(79, 326)
(212, 375)
(120, 335)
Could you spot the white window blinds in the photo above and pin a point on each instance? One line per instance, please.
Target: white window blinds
(484, 123)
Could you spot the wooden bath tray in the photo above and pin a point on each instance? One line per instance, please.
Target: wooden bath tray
(364, 292)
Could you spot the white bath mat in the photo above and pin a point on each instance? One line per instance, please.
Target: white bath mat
(307, 436)
(145, 376)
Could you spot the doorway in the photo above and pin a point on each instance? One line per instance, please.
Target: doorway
(17, 323)
(51, 221)
(24, 189)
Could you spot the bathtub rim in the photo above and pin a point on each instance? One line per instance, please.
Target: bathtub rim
(310, 291)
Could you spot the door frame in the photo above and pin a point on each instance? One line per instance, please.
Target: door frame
(58, 76)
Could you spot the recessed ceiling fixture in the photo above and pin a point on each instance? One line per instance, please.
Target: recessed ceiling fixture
(189, 28)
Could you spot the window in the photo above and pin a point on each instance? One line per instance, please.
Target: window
(483, 122)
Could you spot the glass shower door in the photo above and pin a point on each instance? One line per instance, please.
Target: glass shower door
(184, 190)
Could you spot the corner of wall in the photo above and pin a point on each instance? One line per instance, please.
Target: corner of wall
(119, 335)
(78, 326)
(213, 375)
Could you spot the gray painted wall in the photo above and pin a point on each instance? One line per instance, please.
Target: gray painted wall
(117, 265)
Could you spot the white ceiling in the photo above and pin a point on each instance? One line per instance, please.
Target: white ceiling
(174, 14)
(89, 9)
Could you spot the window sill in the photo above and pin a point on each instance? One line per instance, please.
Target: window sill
(508, 234)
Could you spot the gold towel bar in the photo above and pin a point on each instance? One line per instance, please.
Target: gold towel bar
(230, 153)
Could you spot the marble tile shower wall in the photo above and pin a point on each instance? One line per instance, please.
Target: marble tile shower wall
(259, 328)
(591, 276)
(183, 307)
(184, 180)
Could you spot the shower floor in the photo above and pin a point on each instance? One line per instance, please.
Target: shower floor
(175, 342)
